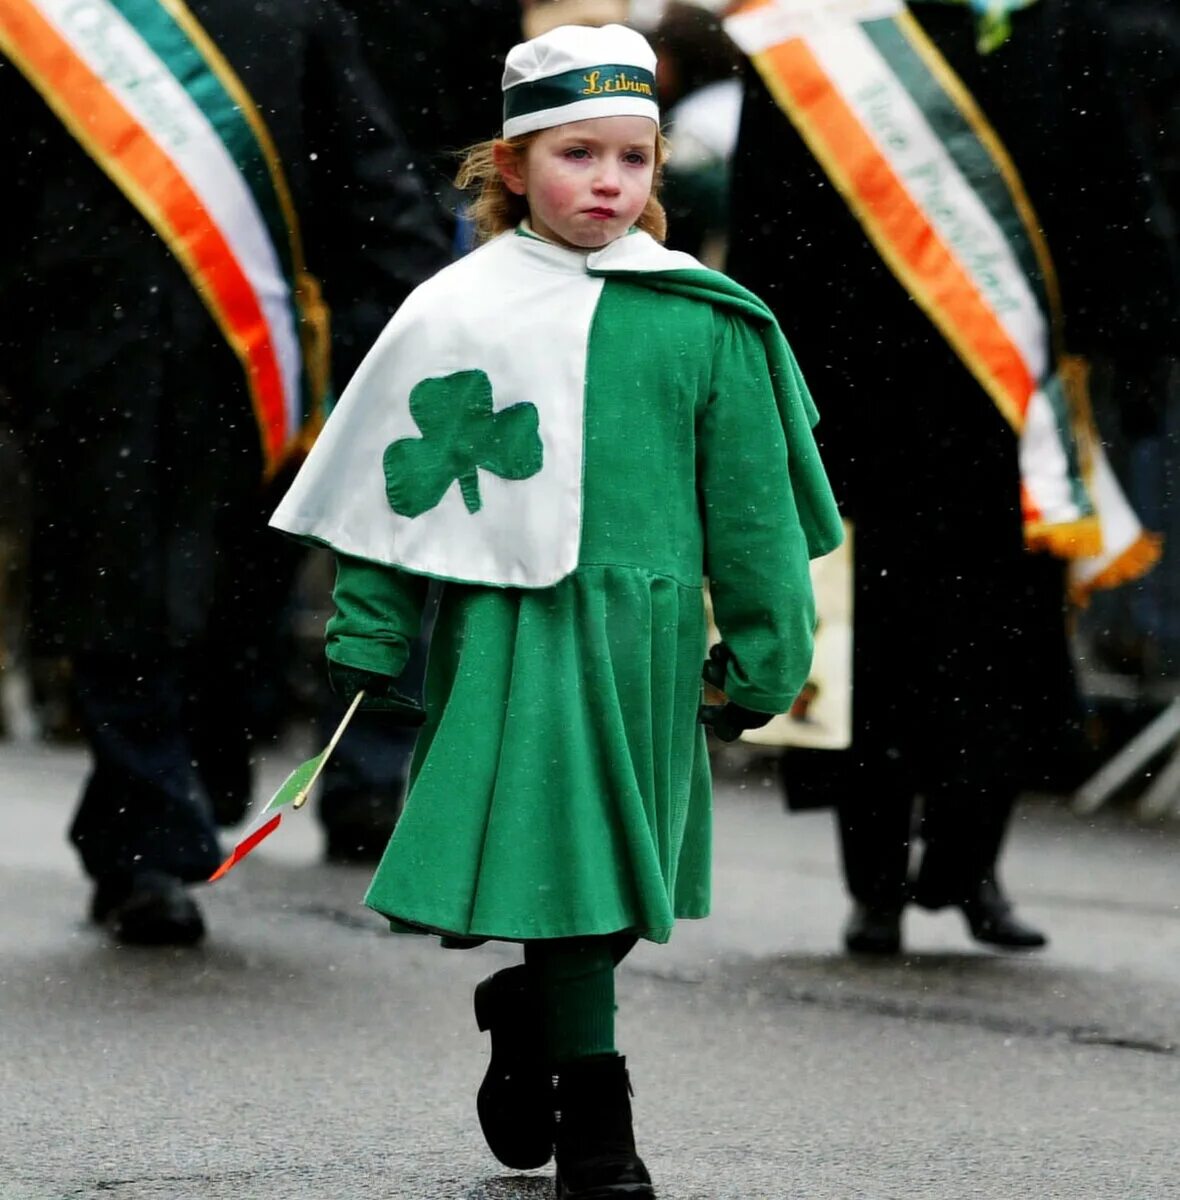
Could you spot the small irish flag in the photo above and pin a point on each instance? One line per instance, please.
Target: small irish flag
(292, 795)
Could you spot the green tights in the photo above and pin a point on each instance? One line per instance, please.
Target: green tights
(574, 980)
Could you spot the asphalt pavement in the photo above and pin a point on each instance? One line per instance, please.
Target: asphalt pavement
(304, 1052)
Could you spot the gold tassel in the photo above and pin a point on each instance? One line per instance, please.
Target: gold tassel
(1134, 562)
(315, 336)
(1074, 539)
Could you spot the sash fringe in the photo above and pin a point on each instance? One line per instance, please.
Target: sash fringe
(1075, 539)
(1134, 562)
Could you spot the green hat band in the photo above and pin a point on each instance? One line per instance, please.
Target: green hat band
(592, 83)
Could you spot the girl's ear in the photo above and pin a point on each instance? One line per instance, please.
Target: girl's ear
(509, 163)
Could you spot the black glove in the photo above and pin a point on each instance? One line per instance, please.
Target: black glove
(380, 693)
(727, 721)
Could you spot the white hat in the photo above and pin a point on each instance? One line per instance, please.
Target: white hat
(575, 72)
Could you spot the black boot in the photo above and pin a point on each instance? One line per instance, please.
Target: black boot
(515, 1101)
(991, 920)
(596, 1157)
(148, 908)
(872, 930)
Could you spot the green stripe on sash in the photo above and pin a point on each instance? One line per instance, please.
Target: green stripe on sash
(1054, 389)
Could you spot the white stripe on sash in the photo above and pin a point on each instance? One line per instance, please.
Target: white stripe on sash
(1044, 468)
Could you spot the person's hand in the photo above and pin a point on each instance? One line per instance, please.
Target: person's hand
(727, 721)
(716, 665)
(381, 695)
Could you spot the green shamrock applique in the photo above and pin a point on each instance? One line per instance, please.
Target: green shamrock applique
(460, 433)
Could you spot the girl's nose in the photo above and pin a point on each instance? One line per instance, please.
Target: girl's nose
(607, 182)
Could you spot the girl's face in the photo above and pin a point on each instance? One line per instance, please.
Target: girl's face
(585, 182)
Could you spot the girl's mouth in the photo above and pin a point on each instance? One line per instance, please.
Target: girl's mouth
(601, 213)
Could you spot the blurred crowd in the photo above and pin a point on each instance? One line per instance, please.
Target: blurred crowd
(145, 608)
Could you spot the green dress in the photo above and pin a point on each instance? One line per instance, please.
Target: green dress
(560, 786)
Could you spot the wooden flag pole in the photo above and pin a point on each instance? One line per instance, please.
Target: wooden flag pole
(301, 799)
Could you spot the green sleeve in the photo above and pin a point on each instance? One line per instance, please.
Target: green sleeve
(378, 614)
(756, 551)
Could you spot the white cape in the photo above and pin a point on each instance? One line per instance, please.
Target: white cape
(520, 310)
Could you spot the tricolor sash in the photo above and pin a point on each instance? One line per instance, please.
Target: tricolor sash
(149, 96)
(926, 176)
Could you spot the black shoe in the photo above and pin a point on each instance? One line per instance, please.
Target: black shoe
(149, 908)
(872, 930)
(515, 1099)
(991, 920)
(596, 1158)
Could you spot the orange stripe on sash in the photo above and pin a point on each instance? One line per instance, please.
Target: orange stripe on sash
(1028, 506)
(897, 226)
(129, 154)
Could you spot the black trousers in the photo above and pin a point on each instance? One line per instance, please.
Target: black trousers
(959, 832)
(152, 569)
(143, 806)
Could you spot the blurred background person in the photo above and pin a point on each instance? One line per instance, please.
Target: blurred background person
(166, 354)
(963, 689)
(438, 84)
(698, 77)
(14, 715)
(1133, 634)
(539, 16)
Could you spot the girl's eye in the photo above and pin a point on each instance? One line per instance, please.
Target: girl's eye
(635, 158)
(577, 152)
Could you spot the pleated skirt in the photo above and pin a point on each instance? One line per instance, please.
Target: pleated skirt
(560, 787)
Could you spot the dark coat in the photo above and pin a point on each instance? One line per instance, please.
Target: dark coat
(145, 452)
(960, 653)
(1144, 42)
(440, 65)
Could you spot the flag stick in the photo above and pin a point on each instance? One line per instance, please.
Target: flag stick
(301, 799)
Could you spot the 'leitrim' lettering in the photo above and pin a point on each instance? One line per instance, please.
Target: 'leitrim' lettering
(620, 82)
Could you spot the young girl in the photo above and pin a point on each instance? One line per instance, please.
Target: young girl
(571, 426)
